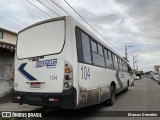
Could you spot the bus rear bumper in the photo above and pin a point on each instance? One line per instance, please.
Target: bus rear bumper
(66, 99)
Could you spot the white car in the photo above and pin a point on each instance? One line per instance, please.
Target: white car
(156, 77)
(159, 82)
(131, 81)
(136, 78)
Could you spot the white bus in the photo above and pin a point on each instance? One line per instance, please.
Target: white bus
(60, 63)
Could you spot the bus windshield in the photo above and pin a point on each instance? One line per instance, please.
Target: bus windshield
(43, 39)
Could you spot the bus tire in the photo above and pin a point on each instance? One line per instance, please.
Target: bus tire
(111, 100)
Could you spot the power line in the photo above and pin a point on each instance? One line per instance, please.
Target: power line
(90, 24)
(134, 52)
(100, 8)
(59, 7)
(53, 6)
(48, 7)
(150, 50)
(109, 6)
(32, 7)
(38, 8)
(107, 13)
(69, 14)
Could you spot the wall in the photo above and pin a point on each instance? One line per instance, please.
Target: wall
(6, 55)
(6, 64)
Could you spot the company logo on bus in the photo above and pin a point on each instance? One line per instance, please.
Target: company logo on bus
(47, 63)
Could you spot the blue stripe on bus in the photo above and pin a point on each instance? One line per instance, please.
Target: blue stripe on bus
(119, 80)
(25, 73)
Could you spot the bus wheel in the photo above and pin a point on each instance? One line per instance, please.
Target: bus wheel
(111, 100)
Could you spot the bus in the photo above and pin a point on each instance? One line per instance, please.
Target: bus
(59, 62)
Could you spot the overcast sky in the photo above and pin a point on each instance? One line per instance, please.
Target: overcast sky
(121, 22)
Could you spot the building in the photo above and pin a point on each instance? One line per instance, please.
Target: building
(156, 68)
(7, 49)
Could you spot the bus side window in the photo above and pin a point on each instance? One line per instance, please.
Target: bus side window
(94, 46)
(86, 48)
(79, 45)
(123, 66)
(115, 61)
(108, 59)
(97, 54)
(100, 50)
(120, 64)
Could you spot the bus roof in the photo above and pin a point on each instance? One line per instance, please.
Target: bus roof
(42, 22)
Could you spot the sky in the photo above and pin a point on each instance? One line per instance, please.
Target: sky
(121, 22)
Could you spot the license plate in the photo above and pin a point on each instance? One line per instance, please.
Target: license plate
(35, 85)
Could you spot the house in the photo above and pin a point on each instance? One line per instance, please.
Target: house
(156, 68)
(7, 51)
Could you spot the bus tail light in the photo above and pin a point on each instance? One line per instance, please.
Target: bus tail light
(68, 70)
(68, 76)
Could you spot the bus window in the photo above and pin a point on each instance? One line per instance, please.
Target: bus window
(98, 59)
(105, 53)
(115, 62)
(100, 50)
(120, 64)
(86, 48)
(94, 46)
(123, 67)
(109, 63)
(109, 55)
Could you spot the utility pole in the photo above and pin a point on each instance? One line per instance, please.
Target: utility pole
(126, 50)
(134, 69)
(134, 61)
(136, 66)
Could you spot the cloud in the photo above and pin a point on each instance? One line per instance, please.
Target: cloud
(17, 14)
(121, 22)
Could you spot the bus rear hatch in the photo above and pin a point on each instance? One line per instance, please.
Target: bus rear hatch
(36, 68)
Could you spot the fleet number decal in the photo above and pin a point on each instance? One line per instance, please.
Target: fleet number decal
(53, 77)
(85, 73)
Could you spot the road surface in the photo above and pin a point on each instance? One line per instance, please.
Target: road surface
(143, 96)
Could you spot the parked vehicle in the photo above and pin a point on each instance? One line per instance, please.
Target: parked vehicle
(136, 78)
(159, 81)
(132, 81)
(151, 75)
(155, 77)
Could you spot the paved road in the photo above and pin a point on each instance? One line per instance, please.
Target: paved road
(143, 96)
